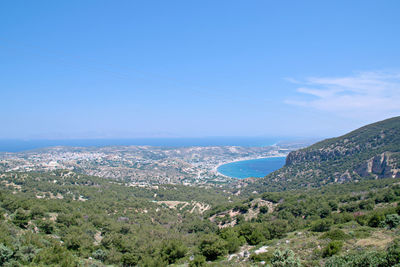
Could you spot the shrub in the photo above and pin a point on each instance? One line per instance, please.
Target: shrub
(366, 205)
(368, 259)
(332, 248)
(264, 209)
(336, 261)
(172, 250)
(362, 219)
(21, 218)
(393, 253)
(285, 258)
(55, 255)
(392, 220)
(5, 254)
(335, 234)
(321, 225)
(212, 247)
(129, 259)
(100, 255)
(46, 226)
(278, 228)
(266, 257)
(232, 238)
(199, 260)
(255, 237)
(375, 220)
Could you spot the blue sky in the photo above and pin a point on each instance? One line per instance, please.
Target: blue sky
(117, 69)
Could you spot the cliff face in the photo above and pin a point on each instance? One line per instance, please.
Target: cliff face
(384, 165)
(380, 166)
(371, 152)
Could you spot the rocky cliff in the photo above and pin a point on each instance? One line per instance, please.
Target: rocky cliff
(371, 152)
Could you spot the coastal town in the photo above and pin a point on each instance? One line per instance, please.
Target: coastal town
(141, 165)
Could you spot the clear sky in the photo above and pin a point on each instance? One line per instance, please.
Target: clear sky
(112, 69)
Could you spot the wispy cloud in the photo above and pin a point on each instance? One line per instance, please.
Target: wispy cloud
(375, 94)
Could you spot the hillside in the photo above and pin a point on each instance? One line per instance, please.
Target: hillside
(63, 218)
(370, 152)
(68, 219)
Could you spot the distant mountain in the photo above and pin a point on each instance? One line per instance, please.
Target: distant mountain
(370, 152)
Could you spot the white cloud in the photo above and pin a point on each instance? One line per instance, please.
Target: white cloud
(373, 94)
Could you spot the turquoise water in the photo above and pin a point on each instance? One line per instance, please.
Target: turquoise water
(252, 168)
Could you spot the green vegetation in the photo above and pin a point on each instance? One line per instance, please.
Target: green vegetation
(65, 218)
(70, 219)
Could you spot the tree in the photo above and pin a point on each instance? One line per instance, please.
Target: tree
(21, 218)
(213, 247)
(130, 259)
(172, 250)
(321, 225)
(46, 226)
(232, 238)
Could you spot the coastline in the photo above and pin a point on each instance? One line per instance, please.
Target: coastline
(215, 169)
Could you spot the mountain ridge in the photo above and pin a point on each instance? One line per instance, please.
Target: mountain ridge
(370, 152)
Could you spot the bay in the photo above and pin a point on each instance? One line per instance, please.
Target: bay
(252, 168)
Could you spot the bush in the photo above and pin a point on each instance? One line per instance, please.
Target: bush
(5, 254)
(198, 261)
(250, 233)
(392, 220)
(285, 259)
(393, 253)
(266, 257)
(335, 234)
(362, 219)
(332, 248)
(264, 209)
(129, 259)
(172, 250)
(55, 256)
(321, 226)
(366, 205)
(232, 238)
(21, 218)
(46, 226)
(100, 255)
(375, 220)
(256, 237)
(336, 261)
(368, 259)
(278, 228)
(212, 247)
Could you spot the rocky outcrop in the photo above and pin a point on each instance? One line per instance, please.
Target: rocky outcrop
(370, 152)
(380, 166)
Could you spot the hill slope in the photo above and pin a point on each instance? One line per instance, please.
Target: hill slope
(370, 152)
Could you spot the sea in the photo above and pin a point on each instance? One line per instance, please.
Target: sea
(15, 145)
(252, 168)
(240, 169)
